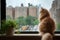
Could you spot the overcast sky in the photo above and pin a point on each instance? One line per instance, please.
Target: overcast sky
(44, 3)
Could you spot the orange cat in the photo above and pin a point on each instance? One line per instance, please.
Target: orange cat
(47, 25)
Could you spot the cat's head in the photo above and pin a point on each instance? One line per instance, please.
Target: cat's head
(44, 13)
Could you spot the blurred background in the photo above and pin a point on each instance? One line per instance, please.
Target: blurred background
(26, 13)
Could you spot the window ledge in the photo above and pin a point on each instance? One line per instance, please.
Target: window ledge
(28, 35)
(32, 35)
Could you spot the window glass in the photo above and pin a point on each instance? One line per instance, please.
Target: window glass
(26, 13)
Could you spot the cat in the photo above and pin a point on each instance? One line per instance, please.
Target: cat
(47, 25)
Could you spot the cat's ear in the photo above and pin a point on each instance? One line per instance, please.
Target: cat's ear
(42, 8)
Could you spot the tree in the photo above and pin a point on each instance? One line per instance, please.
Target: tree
(21, 21)
(35, 22)
(29, 20)
(58, 26)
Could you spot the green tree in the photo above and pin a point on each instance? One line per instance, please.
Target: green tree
(21, 21)
(58, 26)
(35, 22)
(29, 20)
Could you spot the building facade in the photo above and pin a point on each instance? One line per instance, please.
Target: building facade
(55, 10)
(9, 11)
(21, 11)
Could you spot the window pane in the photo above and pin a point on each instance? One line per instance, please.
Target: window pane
(26, 13)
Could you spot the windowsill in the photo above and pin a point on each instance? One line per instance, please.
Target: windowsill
(29, 35)
(32, 35)
(26, 34)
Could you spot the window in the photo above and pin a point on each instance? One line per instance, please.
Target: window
(27, 16)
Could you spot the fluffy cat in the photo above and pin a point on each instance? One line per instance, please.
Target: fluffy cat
(47, 25)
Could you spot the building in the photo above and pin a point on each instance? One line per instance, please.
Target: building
(22, 11)
(55, 10)
(33, 11)
(9, 11)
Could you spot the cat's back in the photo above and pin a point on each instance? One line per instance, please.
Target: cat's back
(48, 20)
(47, 24)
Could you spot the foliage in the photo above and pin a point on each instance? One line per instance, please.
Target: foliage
(35, 22)
(29, 20)
(21, 21)
(58, 26)
(6, 24)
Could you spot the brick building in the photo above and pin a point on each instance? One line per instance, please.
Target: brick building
(55, 10)
(22, 11)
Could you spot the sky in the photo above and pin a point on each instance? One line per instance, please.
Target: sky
(44, 3)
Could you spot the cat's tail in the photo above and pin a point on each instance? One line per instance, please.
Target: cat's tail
(47, 36)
